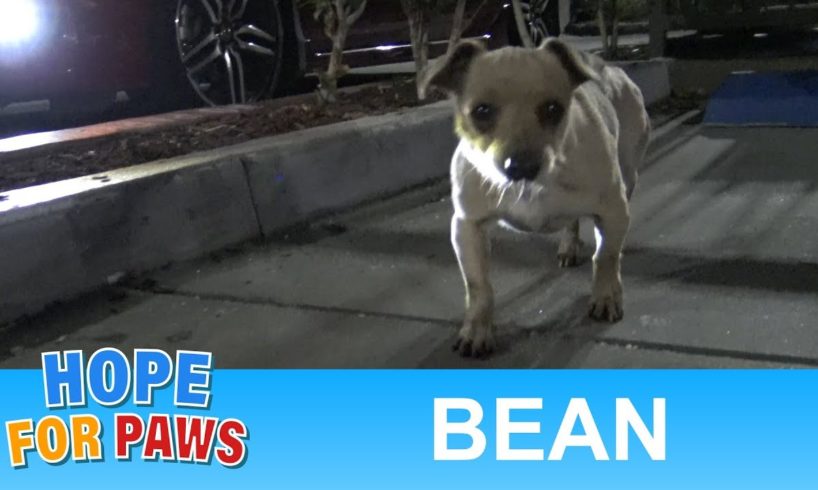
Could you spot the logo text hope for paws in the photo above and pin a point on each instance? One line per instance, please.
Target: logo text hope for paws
(109, 379)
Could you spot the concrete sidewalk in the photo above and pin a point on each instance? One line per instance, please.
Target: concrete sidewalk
(721, 270)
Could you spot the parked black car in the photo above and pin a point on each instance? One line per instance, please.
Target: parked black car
(222, 51)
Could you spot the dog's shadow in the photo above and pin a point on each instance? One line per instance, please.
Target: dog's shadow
(561, 342)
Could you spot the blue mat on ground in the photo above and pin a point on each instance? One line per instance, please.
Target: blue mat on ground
(765, 99)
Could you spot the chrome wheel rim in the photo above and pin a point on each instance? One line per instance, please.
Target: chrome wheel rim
(534, 13)
(230, 49)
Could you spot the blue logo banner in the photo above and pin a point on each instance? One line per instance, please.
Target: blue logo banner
(424, 429)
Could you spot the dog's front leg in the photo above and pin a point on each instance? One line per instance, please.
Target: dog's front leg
(611, 229)
(471, 245)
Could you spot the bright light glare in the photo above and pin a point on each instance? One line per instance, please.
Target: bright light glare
(18, 21)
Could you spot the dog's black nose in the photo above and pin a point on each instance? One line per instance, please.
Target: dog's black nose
(522, 166)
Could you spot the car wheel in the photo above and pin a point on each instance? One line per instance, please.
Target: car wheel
(231, 50)
(542, 18)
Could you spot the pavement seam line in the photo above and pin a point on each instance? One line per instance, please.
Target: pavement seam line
(251, 194)
(702, 351)
(617, 342)
(296, 306)
(675, 122)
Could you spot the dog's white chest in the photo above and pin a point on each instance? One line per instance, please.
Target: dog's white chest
(531, 211)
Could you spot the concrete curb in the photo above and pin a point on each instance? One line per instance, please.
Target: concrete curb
(66, 246)
(63, 239)
(313, 172)
(652, 77)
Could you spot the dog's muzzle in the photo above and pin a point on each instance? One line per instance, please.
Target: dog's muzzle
(522, 166)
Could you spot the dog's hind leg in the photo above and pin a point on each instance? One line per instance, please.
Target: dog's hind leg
(570, 245)
(634, 125)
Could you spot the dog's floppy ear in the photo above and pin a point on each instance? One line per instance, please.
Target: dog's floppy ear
(576, 63)
(449, 72)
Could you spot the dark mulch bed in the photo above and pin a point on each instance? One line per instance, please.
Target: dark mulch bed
(268, 118)
(678, 103)
(628, 53)
(591, 28)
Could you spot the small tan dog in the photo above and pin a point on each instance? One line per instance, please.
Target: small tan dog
(547, 136)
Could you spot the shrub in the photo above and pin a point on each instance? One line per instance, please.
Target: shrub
(337, 16)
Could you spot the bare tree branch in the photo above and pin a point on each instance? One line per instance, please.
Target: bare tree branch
(603, 26)
(337, 17)
(354, 16)
(471, 19)
(522, 28)
(457, 24)
(419, 15)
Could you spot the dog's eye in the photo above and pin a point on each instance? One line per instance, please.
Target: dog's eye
(483, 113)
(550, 113)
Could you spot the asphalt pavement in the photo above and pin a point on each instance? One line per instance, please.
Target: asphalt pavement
(720, 271)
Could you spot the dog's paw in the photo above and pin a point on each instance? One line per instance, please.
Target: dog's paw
(568, 253)
(607, 307)
(567, 259)
(476, 342)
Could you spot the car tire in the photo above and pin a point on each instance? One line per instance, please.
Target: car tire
(233, 54)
